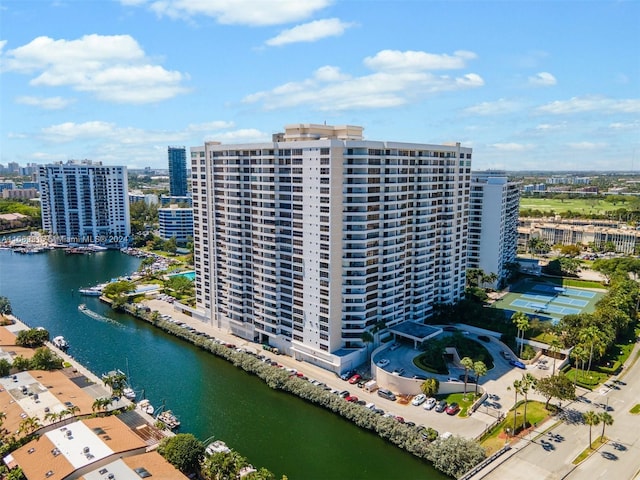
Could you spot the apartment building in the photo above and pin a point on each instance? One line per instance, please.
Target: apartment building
(493, 223)
(85, 202)
(311, 240)
(176, 222)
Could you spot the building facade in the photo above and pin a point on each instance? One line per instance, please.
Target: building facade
(85, 202)
(493, 223)
(311, 240)
(177, 171)
(176, 222)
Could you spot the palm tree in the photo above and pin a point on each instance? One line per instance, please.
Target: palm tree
(590, 336)
(430, 387)
(521, 320)
(554, 347)
(528, 381)
(592, 419)
(367, 339)
(607, 420)
(579, 355)
(29, 425)
(467, 363)
(517, 388)
(480, 370)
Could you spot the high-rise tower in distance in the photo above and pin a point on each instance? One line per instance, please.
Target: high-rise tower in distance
(177, 171)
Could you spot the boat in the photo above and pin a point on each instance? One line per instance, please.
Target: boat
(91, 291)
(169, 419)
(129, 393)
(96, 316)
(60, 342)
(217, 446)
(146, 407)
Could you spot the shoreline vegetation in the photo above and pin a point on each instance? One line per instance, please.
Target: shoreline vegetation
(453, 456)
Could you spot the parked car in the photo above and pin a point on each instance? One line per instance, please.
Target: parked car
(484, 338)
(419, 399)
(351, 398)
(453, 409)
(505, 354)
(354, 379)
(430, 403)
(344, 393)
(452, 379)
(383, 362)
(398, 371)
(347, 375)
(419, 377)
(394, 346)
(518, 364)
(388, 394)
(449, 329)
(441, 406)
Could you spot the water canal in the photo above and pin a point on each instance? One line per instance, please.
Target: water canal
(210, 396)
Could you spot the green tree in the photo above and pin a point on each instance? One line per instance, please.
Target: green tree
(556, 386)
(180, 284)
(521, 321)
(20, 363)
(528, 381)
(592, 419)
(183, 451)
(591, 336)
(45, 359)
(5, 306)
(555, 344)
(120, 288)
(224, 465)
(455, 455)
(467, 363)
(517, 389)
(5, 367)
(430, 387)
(367, 339)
(607, 420)
(32, 338)
(480, 369)
(170, 245)
(116, 381)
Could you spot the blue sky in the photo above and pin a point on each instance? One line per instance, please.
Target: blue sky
(547, 85)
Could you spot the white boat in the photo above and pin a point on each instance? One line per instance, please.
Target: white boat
(60, 342)
(129, 393)
(169, 419)
(146, 407)
(91, 291)
(217, 446)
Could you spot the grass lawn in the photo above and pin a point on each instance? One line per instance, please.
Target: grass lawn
(636, 409)
(497, 437)
(578, 205)
(588, 380)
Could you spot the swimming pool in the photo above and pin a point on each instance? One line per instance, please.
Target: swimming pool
(190, 275)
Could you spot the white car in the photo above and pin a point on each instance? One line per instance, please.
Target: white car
(419, 399)
(383, 362)
(429, 403)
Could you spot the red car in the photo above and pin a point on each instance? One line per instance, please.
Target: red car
(351, 398)
(453, 409)
(354, 379)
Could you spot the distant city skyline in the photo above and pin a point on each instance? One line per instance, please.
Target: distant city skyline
(545, 86)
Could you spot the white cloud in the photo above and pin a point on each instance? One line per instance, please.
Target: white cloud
(499, 107)
(70, 131)
(542, 79)
(112, 67)
(243, 135)
(2, 44)
(310, 32)
(548, 127)
(401, 80)
(395, 60)
(625, 126)
(512, 147)
(239, 12)
(51, 103)
(591, 104)
(587, 145)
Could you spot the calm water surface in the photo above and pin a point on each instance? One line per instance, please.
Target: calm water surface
(211, 397)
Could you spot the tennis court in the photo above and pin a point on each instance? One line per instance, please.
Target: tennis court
(563, 291)
(560, 300)
(544, 307)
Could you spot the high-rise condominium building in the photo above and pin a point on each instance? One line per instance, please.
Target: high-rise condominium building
(493, 223)
(311, 240)
(85, 202)
(177, 171)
